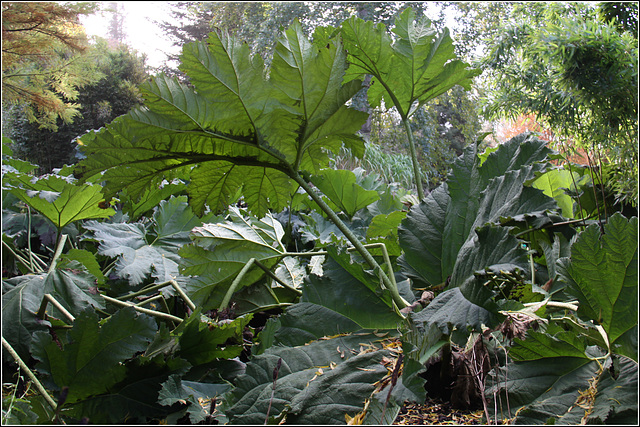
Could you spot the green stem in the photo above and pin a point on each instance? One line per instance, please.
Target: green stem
(31, 267)
(358, 245)
(276, 278)
(48, 298)
(414, 158)
(148, 300)
(56, 255)
(183, 295)
(30, 374)
(235, 283)
(154, 313)
(20, 259)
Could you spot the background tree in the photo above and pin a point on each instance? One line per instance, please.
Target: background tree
(43, 64)
(121, 69)
(116, 33)
(578, 74)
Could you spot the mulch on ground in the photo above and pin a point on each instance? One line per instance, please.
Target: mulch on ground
(436, 412)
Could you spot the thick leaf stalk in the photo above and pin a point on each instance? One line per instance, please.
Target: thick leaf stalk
(358, 245)
(414, 158)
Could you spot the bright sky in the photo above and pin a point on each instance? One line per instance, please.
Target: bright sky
(141, 34)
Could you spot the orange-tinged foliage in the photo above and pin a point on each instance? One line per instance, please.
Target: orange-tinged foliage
(40, 66)
(529, 123)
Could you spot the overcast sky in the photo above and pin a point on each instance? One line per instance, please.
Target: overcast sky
(141, 34)
(144, 36)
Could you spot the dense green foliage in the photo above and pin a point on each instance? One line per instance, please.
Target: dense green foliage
(113, 94)
(579, 74)
(232, 275)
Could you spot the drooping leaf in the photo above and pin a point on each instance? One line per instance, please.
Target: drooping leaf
(602, 273)
(434, 232)
(570, 390)
(421, 237)
(90, 361)
(491, 250)
(302, 323)
(552, 383)
(70, 284)
(316, 383)
(451, 309)
(349, 290)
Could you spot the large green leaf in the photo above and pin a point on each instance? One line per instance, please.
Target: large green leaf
(421, 237)
(91, 359)
(59, 198)
(220, 251)
(451, 310)
(147, 248)
(562, 385)
(203, 341)
(302, 323)
(346, 288)
(554, 183)
(317, 383)
(135, 398)
(418, 66)
(236, 127)
(70, 284)
(340, 187)
(602, 273)
(434, 232)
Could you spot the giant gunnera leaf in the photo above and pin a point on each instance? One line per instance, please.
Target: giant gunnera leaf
(70, 284)
(476, 193)
(418, 66)
(317, 383)
(146, 249)
(602, 273)
(557, 380)
(221, 250)
(235, 126)
(90, 359)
